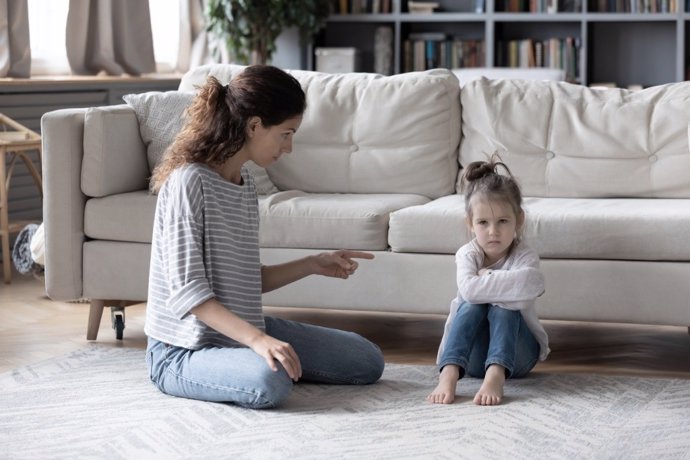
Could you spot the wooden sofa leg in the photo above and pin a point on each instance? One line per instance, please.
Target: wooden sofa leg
(95, 315)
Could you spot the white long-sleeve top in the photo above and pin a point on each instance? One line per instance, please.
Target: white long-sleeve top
(513, 282)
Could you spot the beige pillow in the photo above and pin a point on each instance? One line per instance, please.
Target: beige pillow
(161, 117)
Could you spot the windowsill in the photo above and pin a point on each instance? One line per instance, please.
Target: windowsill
(95, 79)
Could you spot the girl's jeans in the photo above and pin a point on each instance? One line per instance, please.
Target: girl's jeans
(485, 334)
(240, 376)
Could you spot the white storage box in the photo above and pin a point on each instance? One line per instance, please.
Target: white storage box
(337, 60)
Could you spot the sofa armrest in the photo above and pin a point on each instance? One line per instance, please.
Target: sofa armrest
(63, 202)
(114, 154)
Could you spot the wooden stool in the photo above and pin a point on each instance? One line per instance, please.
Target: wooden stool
(15, 143)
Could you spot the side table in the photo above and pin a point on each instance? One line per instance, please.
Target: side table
(15, 142)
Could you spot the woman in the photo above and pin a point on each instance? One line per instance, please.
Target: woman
(208, 337)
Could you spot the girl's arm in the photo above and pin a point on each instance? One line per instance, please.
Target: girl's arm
(216, 316)
(337, 264)
(523, 281)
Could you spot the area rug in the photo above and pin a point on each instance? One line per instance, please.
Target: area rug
(98, 403)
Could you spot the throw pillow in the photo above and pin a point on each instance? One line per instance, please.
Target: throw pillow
(161, 117)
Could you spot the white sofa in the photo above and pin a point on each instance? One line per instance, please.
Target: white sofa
(375, 166)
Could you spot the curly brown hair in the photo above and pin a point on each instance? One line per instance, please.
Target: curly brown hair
(215, 126)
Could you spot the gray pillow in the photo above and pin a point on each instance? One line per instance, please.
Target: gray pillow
(161, 117)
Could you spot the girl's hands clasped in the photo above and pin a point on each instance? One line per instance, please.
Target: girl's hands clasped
(272, 350)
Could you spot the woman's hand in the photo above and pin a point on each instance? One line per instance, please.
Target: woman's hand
(272, 350)
(339, 264)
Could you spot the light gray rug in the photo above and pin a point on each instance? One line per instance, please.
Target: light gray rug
(98, 403)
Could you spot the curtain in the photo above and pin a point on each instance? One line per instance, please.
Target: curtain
(109, 36)
(15, 50)
(195, 43)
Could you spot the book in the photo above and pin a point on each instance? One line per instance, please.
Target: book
(422, 7)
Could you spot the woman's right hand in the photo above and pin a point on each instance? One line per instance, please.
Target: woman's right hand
(273, 349)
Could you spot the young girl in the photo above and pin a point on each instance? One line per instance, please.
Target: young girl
(492, 330)
(207, 336)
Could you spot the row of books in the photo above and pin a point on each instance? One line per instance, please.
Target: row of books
(539, 6)
(561, 53)
(637, 6)
(523, 6)
(362, 6)
(430, 51)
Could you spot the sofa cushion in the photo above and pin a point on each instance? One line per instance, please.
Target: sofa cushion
(114, 157)
(122, 217)
(367, 133)
(161, 117)
(294, 219)
(614, 229)
(436, 227)
(558, 228)
(565, 140)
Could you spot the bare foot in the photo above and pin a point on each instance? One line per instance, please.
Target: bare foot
(444, 393)
(491, 391)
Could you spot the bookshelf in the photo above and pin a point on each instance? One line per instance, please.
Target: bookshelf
(624, 42)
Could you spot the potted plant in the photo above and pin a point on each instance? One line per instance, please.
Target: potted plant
(249, 28)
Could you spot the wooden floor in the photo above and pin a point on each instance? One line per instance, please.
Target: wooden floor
(34, 328)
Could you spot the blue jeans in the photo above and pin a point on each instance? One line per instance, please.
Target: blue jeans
(485, 334)
(240, 376)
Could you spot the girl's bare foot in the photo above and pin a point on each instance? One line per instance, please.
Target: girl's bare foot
(491, 391)
(444, 393)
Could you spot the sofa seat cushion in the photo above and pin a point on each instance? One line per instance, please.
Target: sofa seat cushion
(295, 219)
(623, 229)
(122, 217)
(436, 227)
(559, 228)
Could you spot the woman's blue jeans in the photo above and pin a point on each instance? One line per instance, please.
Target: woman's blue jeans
(485, 334)
(241, 376)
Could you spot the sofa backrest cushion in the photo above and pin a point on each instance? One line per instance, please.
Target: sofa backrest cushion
(368, 133)
(114, 155)
(566, 140)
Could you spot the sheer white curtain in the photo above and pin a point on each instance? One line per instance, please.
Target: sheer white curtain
(15, 50)
(110, 36)
(47, 24)
(194, 42)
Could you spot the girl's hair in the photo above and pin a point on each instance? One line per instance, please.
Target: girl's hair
(482, 178)
(216, 122)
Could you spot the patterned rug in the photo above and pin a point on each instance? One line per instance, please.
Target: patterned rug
(98, 403)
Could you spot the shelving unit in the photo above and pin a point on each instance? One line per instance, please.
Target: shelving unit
(621, 48)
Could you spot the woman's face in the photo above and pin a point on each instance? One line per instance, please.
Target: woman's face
(266, 145)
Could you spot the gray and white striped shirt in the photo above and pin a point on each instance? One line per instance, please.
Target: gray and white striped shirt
(205, 245)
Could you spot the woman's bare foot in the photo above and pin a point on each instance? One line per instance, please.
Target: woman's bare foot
(491, 391)
(444, 393)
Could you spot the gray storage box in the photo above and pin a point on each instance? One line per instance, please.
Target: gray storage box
(337, 60)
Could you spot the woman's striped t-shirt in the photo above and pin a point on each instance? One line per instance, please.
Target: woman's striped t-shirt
(205, 244)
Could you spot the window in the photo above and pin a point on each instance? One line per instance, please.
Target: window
(47, 24)
(165, 24)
